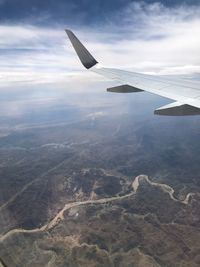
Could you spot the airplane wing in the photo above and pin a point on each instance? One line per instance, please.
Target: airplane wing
(185, 93)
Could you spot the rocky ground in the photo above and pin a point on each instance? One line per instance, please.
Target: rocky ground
(103, 190)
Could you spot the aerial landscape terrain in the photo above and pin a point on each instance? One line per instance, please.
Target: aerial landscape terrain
(97, 182)
(89, 177)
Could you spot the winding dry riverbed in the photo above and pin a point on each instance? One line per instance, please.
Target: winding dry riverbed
(60, 215)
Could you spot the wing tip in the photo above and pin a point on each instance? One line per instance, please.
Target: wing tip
(84, 55)
(68, 31)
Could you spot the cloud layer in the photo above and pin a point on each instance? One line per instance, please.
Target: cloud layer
(150, 38)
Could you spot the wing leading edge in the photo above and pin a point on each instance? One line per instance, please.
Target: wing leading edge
(185, 93)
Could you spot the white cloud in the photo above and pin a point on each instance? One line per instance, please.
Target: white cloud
(151, 38)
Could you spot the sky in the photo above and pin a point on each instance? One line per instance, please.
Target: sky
(156, 37)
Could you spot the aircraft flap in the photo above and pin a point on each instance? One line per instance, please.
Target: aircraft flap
(177, 109)
(124, 89)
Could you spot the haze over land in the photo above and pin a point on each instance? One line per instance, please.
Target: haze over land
(87, 149)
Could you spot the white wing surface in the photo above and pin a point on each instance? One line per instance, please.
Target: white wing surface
(185, 93)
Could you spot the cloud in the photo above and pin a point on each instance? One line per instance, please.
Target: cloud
(150, 38)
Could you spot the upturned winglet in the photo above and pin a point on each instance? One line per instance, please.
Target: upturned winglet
(84, 55)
